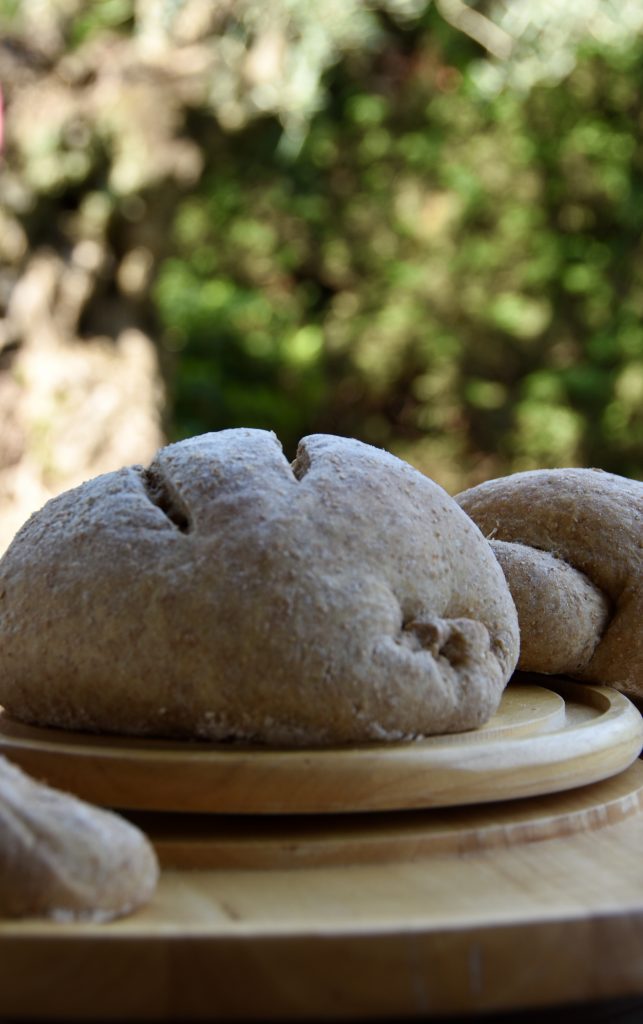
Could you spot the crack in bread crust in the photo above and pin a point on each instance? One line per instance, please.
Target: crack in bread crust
(160, 492)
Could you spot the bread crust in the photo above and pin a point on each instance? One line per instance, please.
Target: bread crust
(562, 615)
(62, 858)
(223, 593)
(574, 564)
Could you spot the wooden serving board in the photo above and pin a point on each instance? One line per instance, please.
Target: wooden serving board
(207, 841)
(483, 928)
(544, 739)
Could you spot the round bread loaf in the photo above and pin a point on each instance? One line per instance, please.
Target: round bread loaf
(62, 858)
(570, 542)
(223, 593)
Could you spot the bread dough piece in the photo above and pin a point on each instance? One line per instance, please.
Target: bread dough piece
(62, 858)
(574, 564)
(223, 593)
(549, 596)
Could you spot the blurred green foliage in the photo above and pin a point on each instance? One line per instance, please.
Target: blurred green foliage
(456, 277)
(408, 250)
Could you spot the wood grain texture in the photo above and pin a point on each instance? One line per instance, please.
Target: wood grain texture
(208, 841)
(503, 928)
(544, 739)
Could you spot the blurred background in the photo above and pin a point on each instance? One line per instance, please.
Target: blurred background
(416, 223)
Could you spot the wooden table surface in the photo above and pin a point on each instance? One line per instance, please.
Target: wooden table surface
(519, 906)
(527, 925)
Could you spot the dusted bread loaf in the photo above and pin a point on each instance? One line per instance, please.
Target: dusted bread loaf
(570, 542)
(223, 593)
(62, 858)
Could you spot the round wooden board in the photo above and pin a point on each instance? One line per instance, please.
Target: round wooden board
(544, 739)
(215, 841)
(535, 924)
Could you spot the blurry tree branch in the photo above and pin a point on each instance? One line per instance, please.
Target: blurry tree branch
(478, 27)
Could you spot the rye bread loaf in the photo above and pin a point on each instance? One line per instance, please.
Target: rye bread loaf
(224, 594)
(570, 542)
(62, 858)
